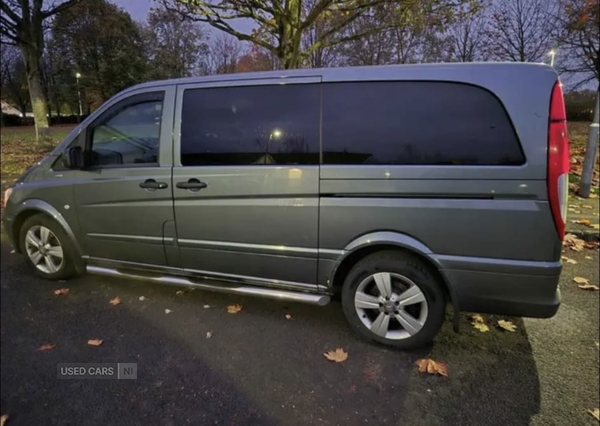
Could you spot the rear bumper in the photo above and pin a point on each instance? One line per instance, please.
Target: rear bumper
(504, 287)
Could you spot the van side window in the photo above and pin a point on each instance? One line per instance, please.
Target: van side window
(128, 135)
(251, 125)
(416, 123)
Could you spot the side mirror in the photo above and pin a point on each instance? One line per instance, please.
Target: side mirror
(74, 158)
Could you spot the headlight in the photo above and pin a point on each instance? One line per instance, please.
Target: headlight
(6, 195)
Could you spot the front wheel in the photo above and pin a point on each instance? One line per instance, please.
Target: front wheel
(393, 298)
(47, 248)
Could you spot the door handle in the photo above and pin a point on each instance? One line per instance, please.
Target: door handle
(151, 184)
(193, 185)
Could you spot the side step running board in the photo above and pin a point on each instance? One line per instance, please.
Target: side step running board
(221, 286)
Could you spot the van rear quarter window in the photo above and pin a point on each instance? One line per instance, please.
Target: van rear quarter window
(416, 123)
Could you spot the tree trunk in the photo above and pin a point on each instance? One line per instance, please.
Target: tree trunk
(36, 93)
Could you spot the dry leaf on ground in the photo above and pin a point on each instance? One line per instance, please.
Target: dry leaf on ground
(168, 311)
(208, 334)
(288, 316)
(585, 222)
(430, 366)
(115, 301)
(588, 257)
(596, 413)
(339, 355)
(95, 342)
(179, 292)
(569, 260)
(589, 287)
(3, 419)
(206, 306)
(142, 298)
(598, 345)
(47, 347)
(478, 322)
(234, 309)
(60, 291)
(591, 244)
(581, 280)
(573, 242)
(586, 206)
(595, 226)
(507, 325)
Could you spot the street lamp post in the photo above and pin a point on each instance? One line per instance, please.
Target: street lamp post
(552, 54)
(78, 76)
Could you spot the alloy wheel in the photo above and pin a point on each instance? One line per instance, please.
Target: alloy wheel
(44, 249)
(391, 305)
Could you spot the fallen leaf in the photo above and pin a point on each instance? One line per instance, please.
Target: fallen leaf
(178, 292)
(3, 419)
(588, 257)
(288, 316)
(47, 347)
(595, 413)
(60, 291)
(598, 345)
(581, 222)
(115, 301)
(234, 309)
(142, 298)
(208, 334)
(95, 342)
(206, 306)
(595, 226)
(574, 243)
(569, 260)
(429, 366)
(589, 287)
(507, 325)
(581, 280)
(586, 206)
(339, 355)
(478, 322)
(591, 244)
(168, 311)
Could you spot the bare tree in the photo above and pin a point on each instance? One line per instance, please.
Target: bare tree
(578, 35)
(281, 24)
(520, 30)
(224, 53)
(21, 22)
(14, 78)
(465, 38)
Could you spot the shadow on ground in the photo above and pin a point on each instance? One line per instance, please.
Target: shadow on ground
(258, 368)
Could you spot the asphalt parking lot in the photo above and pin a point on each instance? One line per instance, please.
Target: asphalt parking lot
(261, 368)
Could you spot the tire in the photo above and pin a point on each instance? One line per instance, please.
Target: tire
(44, 229)
(407, 320)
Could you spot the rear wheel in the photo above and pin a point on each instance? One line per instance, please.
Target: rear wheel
(393, 298)
(47, 248)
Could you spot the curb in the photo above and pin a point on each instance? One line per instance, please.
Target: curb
(588, 236)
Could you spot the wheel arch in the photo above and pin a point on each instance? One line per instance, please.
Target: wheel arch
(32, 207)
(380, 241)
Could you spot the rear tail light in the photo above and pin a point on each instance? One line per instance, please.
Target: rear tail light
(558, 160)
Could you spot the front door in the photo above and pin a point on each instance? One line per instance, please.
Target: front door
(246, 180)
(124, 198)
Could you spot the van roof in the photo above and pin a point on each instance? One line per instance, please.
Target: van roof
(441, 70)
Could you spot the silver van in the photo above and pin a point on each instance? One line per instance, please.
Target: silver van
(401, 188)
